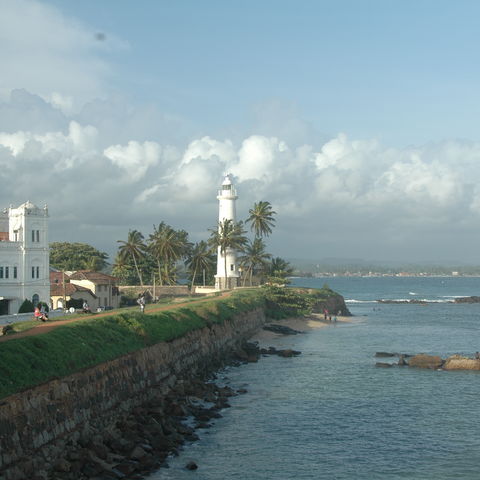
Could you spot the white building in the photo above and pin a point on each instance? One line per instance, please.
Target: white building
(226, 211)
(24, 257)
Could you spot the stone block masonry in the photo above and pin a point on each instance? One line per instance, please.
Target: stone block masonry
(35, 422)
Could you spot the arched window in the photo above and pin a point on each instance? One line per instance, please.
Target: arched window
(35, 299)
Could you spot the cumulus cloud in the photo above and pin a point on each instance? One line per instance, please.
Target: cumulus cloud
(320, 195)
(135, 158)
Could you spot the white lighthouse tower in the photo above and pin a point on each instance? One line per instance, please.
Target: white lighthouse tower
(226, 211)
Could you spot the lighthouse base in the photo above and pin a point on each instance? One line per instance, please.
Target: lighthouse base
(232, 282)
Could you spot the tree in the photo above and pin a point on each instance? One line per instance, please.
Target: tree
(76, 256)
(167, 246)
(200, 258)
(280, 268)
(229, 235)
(254, 255)
(261, 219)
(133, 248)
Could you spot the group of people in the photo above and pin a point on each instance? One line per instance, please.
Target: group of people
(40, 313)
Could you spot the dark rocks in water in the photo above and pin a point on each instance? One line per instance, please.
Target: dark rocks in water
(287, 353)
(281, 329)
(386, 354)
(383, 365)
(402, 362)
(191, 466)
(472, 299)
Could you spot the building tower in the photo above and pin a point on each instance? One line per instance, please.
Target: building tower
(226, 211)
(24, 257)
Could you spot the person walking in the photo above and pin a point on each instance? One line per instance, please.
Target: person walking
(141, 302)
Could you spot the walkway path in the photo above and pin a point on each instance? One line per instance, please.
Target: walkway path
(48, 326)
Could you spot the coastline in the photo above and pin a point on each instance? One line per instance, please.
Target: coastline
(313, 321)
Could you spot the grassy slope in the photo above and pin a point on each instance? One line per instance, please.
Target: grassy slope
(29, 361)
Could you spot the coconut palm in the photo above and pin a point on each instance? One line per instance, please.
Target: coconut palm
(280, 268)
(168, 246)
(261, 219)
(134, 248)
(254, 255)
(200, 258)
(229, 235)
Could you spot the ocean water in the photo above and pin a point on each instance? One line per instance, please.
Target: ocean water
(331, 414)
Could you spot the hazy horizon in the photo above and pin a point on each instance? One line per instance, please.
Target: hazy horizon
(356, 120)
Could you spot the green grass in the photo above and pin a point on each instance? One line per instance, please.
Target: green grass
(29, 361)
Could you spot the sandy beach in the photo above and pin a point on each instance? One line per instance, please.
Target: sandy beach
(305, 324)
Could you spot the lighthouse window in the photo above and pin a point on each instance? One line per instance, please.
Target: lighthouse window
(1, 272)
(37, 232)
(6, 272)
(38, 272)
(232, 267)
(33, 235)
(227, 187)
(15, 273)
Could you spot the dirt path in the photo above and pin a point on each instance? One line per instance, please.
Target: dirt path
(48, 326)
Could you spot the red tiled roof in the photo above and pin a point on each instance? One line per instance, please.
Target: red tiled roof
(56, 290)
(3, 236)
(95, 277)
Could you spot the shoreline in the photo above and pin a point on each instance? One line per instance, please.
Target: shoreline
(313, 321)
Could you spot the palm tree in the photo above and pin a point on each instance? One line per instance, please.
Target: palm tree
(121, 269)
(254, 256)
(168, 246)
(200, 258)
(261, 218)
(280, 268)
(228, 236)
(134, 248)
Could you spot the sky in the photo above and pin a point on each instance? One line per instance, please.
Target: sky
(356, 119)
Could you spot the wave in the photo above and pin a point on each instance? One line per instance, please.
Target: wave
(414, 301)
(360, 301)
(412, 293)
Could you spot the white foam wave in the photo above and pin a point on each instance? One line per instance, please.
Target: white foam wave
(360, 301)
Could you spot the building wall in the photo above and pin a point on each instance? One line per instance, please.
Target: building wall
(26, 255)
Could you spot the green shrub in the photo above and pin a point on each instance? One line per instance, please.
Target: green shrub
(26, 307)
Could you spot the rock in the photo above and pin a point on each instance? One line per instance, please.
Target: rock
(458, 362)
(473, 299)
(383, 365)
(288, 353)
(191, 466)
(426, 361)
(386, 354)
(62, 465)
(137, 453)
(281, 329)
(402, 362)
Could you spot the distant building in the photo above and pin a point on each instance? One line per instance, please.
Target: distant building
(102, 286)
(24, 257)
(226, 211)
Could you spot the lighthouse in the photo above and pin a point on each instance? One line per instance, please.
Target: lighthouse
(226, 211)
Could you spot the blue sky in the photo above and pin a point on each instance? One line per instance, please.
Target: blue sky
(357, 120)
(402, 72)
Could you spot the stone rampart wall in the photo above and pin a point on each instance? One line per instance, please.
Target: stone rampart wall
(35, 419)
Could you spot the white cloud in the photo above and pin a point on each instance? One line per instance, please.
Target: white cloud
(135, 158)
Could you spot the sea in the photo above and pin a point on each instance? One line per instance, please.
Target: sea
(330, 413)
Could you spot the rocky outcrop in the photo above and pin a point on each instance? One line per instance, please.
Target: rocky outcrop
(473, 299)
(458, 362)
(426, 361)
